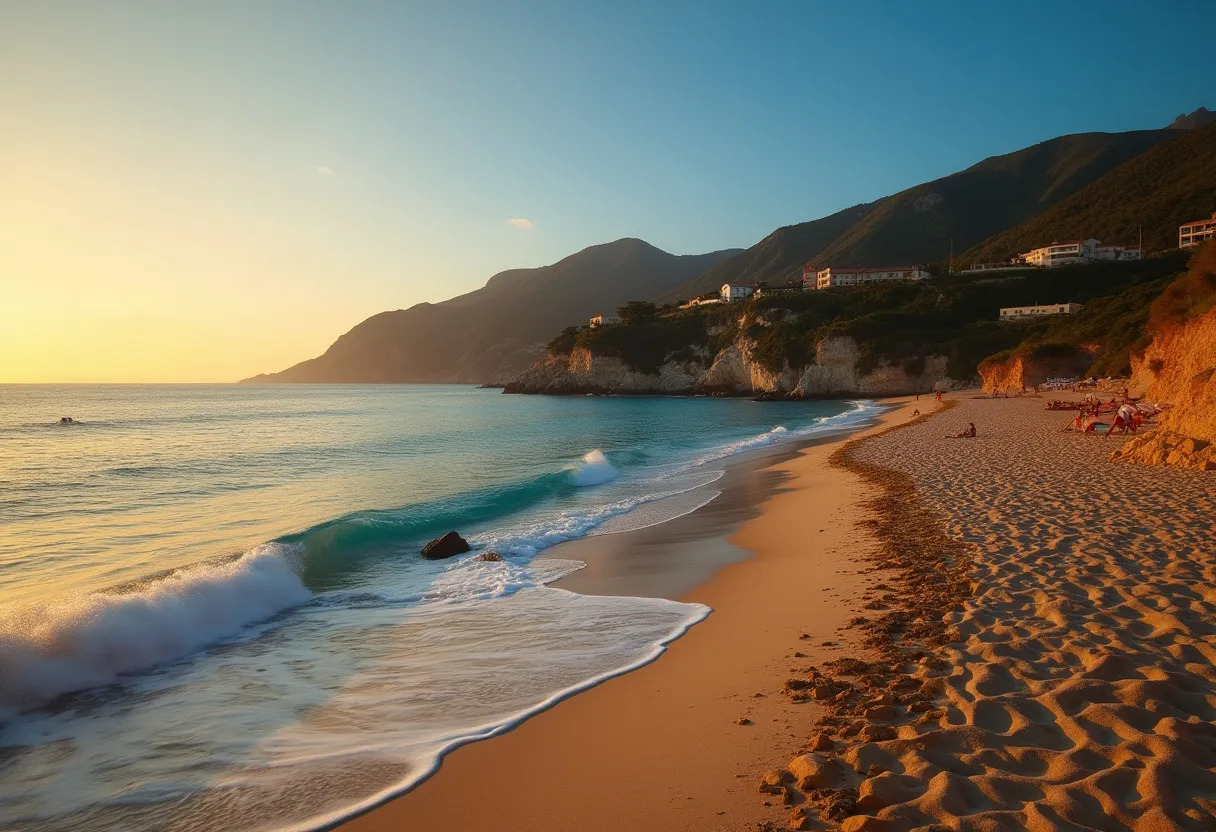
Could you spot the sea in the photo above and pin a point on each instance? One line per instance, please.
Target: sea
(213, 609)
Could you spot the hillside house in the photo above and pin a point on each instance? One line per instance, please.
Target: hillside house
(736, 291)
(603, 320)
(1078, 251)
(1061, 253)
(813, 278)
(1194, 233)
(1019, 313)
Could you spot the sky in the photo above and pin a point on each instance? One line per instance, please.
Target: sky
(205, 191)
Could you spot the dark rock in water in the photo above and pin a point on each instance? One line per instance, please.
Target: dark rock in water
(489, 557)
(446, 546)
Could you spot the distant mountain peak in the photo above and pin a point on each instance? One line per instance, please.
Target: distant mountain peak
(500, 329)
(1189, 121)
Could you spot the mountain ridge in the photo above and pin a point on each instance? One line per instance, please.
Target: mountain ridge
(1191, 120)
(1171, 183)
(499, 328)
(916, 225)
(496, 331)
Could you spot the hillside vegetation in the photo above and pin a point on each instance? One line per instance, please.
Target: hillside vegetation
(918, 224)
(1173, 183)
(1188, 297)
(899, 324)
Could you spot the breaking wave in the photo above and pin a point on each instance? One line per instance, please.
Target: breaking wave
(595, 469)
(50, 649)
(55, 648)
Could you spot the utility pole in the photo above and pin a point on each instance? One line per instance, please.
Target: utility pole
(950, 262)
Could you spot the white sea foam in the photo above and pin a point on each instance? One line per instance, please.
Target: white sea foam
(750, 443)
(657, 512)
(595, 469)
(53, 648)
(483, 643)
(526, 539)
(480, 646)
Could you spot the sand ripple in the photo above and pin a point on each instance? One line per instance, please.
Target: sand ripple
(1076, 688)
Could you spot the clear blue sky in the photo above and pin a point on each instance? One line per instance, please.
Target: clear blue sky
(263, 175)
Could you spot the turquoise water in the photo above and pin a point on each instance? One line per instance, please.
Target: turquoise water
(213, 613)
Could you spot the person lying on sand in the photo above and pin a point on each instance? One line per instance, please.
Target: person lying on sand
(969, 433)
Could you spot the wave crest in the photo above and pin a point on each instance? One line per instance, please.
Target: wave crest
(595, 469)
(50, 649)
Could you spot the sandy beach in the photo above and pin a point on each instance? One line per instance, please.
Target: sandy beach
(1077, 688)
(662, 747)
(1008, 632)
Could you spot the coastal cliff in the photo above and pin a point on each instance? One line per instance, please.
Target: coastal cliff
(1178, 368)
(736, 371)
(1024, 369)
(870, 340)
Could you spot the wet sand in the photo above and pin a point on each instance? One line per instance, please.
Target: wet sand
(1003, 633)
(680, 744)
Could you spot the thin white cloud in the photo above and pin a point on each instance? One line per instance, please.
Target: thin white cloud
(324, 171)
(520, 222)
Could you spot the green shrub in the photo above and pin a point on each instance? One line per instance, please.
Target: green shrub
(903, 323)
(564, 342)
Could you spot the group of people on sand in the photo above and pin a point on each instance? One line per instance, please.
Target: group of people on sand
(1093, 414)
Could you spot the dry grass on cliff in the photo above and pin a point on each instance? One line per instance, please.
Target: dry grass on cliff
(1189, 296)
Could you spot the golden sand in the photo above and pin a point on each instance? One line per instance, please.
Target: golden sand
(1003, 633)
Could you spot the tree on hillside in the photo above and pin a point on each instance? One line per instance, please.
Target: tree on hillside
(637, 312)
(564, 342)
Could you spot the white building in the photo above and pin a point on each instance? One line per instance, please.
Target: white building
(1078, 251)
(736, 291)
(1016, 313)
(1194, 233)
(602, 320)
(1062, 253)
(813, 278)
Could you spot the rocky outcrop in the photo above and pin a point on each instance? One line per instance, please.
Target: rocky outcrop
(584, 372)
(1017, 372)
(1179, 368)
(735, 372)
(445, 547)
(835, 372)
(1164, 447)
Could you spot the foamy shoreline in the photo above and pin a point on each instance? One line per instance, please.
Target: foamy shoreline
(1072, 689)
(500, 671)
(617, 713)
